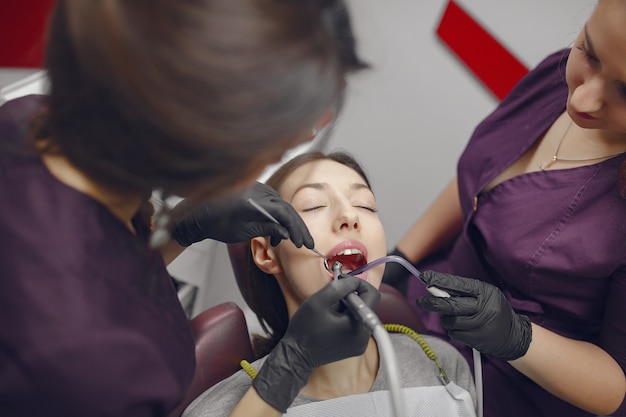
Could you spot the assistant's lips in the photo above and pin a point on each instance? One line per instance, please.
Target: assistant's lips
(585, 116)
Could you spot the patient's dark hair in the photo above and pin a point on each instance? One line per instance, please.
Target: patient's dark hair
(260, 290)
(148, 94)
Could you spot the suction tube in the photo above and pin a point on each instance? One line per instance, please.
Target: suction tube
(407, 265)
(478, 372)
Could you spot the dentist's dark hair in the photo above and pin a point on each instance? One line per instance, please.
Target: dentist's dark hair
(181, 95)
(260, 290)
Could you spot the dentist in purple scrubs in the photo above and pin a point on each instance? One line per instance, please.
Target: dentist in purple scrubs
(193, 98)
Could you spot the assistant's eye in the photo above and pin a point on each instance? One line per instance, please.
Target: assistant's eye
(622, 91)
(586, 54)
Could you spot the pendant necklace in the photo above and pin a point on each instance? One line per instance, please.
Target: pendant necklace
(555, 157)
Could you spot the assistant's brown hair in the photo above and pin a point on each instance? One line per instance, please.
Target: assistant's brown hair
(149, 94)
(260, 290)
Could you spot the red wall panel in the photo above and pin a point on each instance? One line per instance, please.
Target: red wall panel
(22, 32)
(497, 68)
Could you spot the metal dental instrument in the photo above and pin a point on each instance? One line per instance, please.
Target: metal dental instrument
(264, 212)
(336, 269)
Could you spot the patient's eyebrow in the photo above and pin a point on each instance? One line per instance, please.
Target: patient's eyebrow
(360, 186)
(315, 185)
(324, 186)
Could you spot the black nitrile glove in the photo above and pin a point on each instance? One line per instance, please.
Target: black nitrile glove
(236, 220)
(320, 332)
(395, 274)
(478, 315)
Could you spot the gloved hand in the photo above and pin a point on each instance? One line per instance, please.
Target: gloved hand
(236, 220)
(395, 274)
(320, 332)
(478, 314)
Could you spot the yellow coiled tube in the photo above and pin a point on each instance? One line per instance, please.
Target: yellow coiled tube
(394, 328)
(399, 328)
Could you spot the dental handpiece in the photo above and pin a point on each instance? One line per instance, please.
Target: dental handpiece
(356, 305)
(273, 219)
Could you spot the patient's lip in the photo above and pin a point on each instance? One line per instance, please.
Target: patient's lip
(586, 116)
(348, 244)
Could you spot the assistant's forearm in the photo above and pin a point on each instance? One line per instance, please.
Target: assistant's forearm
(441, 222)
(170, 251)
(252, 405)
(578, 372)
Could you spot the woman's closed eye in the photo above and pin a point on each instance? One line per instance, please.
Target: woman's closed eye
(587, 55)
(313, 208)
(367, 207)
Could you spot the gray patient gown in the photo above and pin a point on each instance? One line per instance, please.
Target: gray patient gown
(416, 370)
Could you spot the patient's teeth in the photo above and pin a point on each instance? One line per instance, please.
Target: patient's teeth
(349, 251)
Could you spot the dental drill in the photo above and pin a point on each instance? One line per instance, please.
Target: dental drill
(362, 312)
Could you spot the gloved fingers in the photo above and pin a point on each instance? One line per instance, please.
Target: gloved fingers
(457, 306)
(369, 294)
(460, 323)
(467, 337)
(283, 212)
(456, 284)
(338, 289)
(275, 232)
(275, 240)
(329, 297)
(291, 220)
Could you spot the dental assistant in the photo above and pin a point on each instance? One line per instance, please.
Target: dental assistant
(193, 98)
(537, 215)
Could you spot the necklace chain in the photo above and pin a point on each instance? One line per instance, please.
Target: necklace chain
(555, 157)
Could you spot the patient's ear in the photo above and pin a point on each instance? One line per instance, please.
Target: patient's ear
(264, 256)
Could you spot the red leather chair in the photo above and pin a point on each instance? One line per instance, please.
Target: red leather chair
(222, 341)
(393, 307)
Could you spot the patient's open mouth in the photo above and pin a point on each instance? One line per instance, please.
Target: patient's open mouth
(351, 259)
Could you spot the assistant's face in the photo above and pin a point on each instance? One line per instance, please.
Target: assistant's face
(596, 70)
(340, 211)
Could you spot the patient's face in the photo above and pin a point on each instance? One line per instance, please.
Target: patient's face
(340, 211)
